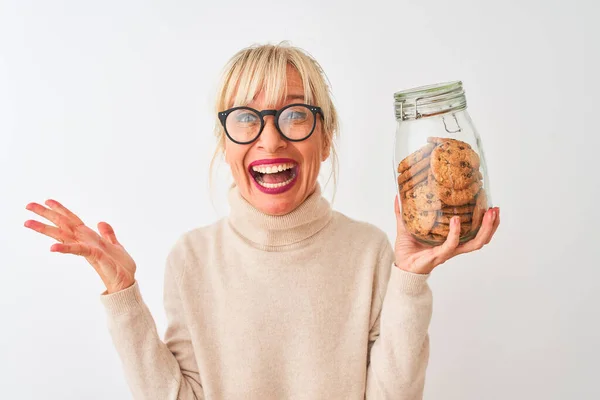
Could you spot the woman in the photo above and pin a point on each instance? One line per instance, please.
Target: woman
(284, 298)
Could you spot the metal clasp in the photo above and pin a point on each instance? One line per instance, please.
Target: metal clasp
(458, 128)
(417, 115)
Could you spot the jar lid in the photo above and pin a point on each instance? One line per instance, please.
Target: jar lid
(427, 101)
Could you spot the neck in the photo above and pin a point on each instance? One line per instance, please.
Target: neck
(274, 231)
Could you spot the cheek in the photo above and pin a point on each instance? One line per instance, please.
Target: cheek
(234, 154)
(317, 144)
(321, 142)
(310, 151)
(234, 157)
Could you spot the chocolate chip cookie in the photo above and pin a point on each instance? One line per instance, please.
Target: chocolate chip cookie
(466, 209)
(418, 178)
(413, 170)
(445, 218)
(444, 229)
(418, 222)
(440, 140)
(415, 157)
(437, 182)
(424, 196)
(454, 165)
(453, 197)
(452, 176)
(457, 153)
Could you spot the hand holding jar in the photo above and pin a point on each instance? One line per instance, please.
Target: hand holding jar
(442, 183)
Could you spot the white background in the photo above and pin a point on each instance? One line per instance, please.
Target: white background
(107, 107)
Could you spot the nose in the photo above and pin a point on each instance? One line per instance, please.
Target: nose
(270, 140)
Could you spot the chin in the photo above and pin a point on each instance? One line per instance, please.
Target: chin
(278, 205)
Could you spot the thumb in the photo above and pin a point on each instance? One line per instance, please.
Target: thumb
(107, 232)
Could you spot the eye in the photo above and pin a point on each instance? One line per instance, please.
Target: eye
(297, 115)
(246, 117)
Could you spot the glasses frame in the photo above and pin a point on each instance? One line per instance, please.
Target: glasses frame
(276, 113)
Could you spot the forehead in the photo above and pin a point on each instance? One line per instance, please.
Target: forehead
(272, 90)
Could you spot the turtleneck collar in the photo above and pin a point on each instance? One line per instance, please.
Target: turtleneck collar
(267, 231)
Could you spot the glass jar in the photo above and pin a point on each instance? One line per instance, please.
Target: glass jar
(439, 164)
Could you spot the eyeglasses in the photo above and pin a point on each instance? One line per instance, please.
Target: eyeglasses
(295, 122)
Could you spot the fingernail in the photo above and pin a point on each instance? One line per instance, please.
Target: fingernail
(494, 212)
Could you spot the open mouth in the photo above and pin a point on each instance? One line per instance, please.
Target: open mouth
(274, 176)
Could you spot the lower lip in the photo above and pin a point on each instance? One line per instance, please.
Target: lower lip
(280, 189)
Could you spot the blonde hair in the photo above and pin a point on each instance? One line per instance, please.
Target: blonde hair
(263, 67)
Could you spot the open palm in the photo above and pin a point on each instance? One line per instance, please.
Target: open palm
(109, 258)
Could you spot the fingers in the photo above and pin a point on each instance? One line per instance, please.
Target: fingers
(483, 236)
(59, 208)
(487, 227)
(73, 228)
(52, 216)
(447, 249)
(496, 224)
(51, 231)
(73, 248)
(107, 232)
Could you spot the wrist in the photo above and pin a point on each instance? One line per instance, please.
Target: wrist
(118, 288)
(412, 269)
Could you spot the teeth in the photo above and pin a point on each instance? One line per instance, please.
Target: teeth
(274, 185)
(272, 168)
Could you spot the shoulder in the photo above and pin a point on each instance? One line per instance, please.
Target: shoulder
(361, 232)
(193, 245)
(370, 245)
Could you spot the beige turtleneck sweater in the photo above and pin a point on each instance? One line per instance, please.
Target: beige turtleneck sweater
(308, 305)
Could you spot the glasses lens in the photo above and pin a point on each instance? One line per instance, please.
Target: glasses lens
(296, 122)
(243, 125)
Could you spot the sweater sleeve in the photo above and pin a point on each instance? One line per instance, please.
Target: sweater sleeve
(399, 339)
(153, 369)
